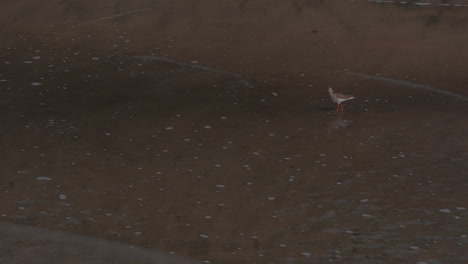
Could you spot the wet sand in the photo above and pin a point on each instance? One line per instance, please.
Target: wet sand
(205, 130)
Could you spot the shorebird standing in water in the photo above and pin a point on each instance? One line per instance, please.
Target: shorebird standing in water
(339, 98)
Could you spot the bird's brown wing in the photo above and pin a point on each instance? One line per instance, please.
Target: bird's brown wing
(342, 96)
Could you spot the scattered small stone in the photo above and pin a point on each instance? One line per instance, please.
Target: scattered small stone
(43, 178)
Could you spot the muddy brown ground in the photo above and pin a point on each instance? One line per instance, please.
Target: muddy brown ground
(203, 129)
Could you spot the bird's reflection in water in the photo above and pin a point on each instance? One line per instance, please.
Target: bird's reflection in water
(338, 123)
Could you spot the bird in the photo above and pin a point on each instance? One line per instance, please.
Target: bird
(339, 98)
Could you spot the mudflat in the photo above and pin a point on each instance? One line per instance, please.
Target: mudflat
(162, 131)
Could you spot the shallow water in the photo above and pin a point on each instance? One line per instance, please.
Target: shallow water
(231, 155)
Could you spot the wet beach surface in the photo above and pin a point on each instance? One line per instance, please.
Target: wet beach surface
(205, 130)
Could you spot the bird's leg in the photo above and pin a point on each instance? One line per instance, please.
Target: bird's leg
(342, 107)
(338, 108)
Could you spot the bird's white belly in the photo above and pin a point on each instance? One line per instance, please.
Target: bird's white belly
(334, 99)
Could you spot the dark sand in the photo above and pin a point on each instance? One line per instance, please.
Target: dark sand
(204, 129)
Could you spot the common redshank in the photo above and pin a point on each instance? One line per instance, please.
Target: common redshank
(339, 98)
